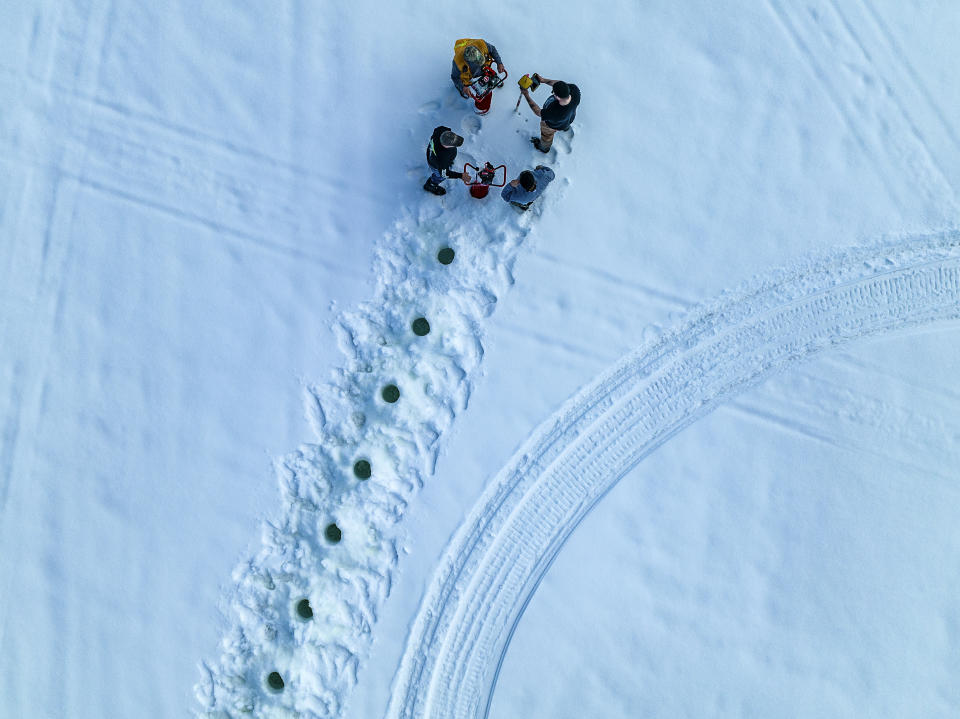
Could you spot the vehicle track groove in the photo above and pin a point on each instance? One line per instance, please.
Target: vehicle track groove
(495, 562)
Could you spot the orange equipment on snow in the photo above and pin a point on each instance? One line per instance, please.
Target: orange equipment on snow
(485, 179)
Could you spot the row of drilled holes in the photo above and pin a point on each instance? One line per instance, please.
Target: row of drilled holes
(361, 470)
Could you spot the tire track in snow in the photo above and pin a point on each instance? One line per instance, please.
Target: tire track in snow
(921, 437)
(917, 440)
(173, 171)
(68, 40)
(347, 581)
(648, 293)
(494, 564)
(920, 384)
(865, 416)
(895, 51)
(820, 32)
(41, 209)
(878, 67)
(869, 421)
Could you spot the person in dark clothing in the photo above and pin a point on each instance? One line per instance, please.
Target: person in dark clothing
(522, 191)
(557, 113)
(441, 152)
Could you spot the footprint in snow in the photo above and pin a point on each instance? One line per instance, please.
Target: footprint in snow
(428, 107)
(562, 144)
(471, 124)
(429, 211)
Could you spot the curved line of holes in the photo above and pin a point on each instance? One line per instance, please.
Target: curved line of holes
(361, 470)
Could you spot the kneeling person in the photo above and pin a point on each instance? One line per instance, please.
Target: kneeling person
(470, 57)
(522, 191)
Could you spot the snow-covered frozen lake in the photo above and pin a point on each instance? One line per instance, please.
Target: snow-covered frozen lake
(680, 441)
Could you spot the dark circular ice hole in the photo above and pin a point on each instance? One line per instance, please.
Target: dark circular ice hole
(333, 533)
(362, 469)
(391, 393)
(304, 610)
(421, 327)
(446, 255)
(275, 681)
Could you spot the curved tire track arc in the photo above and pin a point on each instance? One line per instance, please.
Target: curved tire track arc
(498, 557)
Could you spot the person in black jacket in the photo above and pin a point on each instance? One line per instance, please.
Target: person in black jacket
(441, 152)
(557, 113)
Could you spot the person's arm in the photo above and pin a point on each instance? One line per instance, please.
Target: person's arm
(544, 80)
(510, 190)
(546, 174)
(496, 56)
(457, 82)
(455, 174)
(533, 105)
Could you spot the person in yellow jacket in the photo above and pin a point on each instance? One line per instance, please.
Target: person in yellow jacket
(469, 59)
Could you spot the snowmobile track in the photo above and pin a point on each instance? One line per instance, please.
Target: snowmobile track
(495, 562)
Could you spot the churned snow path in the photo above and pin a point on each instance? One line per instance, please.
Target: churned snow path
(305, 607)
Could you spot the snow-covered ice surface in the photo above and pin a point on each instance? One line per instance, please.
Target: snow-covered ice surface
(739, 299)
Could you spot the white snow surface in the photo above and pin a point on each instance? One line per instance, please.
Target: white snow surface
(681, 441)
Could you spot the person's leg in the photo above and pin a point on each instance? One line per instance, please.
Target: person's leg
(546, 136)
(433, 183)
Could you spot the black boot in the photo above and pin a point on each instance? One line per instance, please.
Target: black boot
(433, 187)
(536, 144)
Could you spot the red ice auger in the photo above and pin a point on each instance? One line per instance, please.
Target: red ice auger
(481, 89)
(485, 178)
